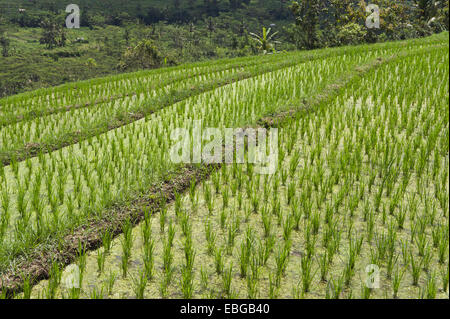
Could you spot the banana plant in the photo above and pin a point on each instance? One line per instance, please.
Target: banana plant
(265, 40)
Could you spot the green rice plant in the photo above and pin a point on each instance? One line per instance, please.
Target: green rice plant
(405, 252)
(252, 287)
(146, 230)
(421, 243)
(218, 260)
(443, 250)
(324, 266)
(216, 182)
(334, 288)
(296, 214)
(307, 273)
(444, 278)
(165, 283)
(177, 204)
(396, 280)
(101, 256)
(225, 198)
(310, 241)
(223, 219)
(170, 234)
(74, 293)
(107, 237)
(192, 193)
(239, 200)
(349, 270)
(126, 244)
(244, 258)
(148, 258)
(370, 226)
(267, 223)
(162, 218)
(297, 291)
(204, 278)
(427, 258)
(124, 263)
(248, 188)
(327, 236)
(54, 280)
(391, 262)
(185, 223)
(27, 286)
(284, 176)
(111, 280)
(208, 198)
(189, 253)
(255, 266)
(288, 226)
(382, 246)
(255, 201)
(281, 258)
(436, 236)
(431, 287)
(416, 269)
(232, 232)
(81, 257)
(274, 289)
(96, 293)
(139, 284)
(269, 243)
(167, 257)
(291, 192)
(210, 238)
(187, 282)
(248, 213)
(366, 292)
(400, 218)
(315, 223)
(226, 281)
(234, 187)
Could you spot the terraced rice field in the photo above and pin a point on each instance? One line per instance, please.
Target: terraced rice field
(92, 205)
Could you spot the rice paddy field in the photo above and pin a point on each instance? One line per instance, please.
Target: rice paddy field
(92, 206)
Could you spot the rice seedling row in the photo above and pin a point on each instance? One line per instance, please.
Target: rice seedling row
(50, 100)
(45, 134)
(109, 91)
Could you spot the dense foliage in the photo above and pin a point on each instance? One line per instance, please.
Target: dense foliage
(36, 51)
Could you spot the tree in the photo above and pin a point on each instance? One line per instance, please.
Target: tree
(307, 13)
(90, 63)
(154, 15)
(434, 13)
(4, 43)
(264, 41)
(144, 55)
(211, 26)
(53, 33)
(427, 9)
(126, 36)
(211, 7)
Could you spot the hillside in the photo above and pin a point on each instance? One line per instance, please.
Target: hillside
(121, 36)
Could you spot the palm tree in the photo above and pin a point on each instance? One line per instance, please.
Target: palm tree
(265, 41)
(427, 9)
